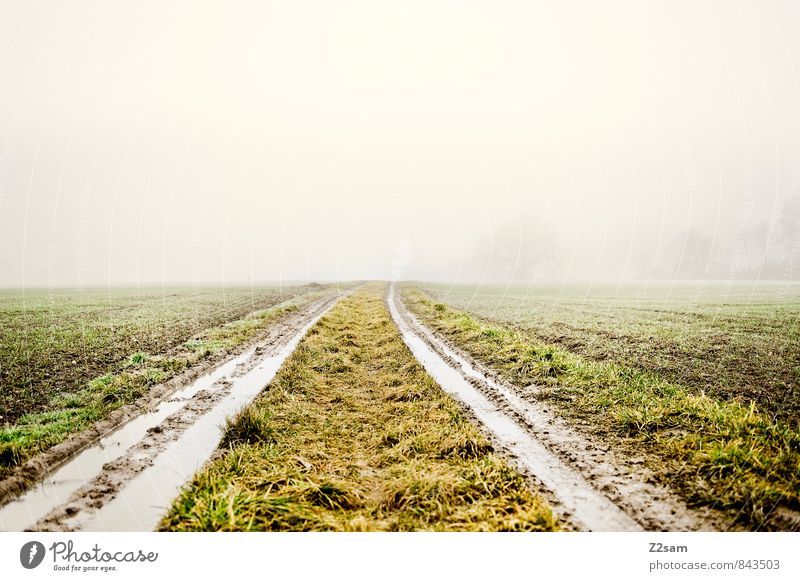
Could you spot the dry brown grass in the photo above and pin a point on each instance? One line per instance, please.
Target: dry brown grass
(353, 435)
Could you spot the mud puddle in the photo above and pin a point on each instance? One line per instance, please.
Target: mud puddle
(126, 480)
(586, 484)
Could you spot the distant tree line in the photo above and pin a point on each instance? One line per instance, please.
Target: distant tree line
(757, 252)
(526, 250)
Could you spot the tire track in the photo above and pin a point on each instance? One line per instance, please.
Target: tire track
(126, 480)
(585, 483)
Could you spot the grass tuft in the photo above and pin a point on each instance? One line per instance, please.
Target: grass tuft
(250, 427)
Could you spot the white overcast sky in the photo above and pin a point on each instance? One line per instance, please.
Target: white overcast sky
(149, 142)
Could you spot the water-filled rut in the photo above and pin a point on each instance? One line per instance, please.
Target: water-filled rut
(127, 479)
(584, 482)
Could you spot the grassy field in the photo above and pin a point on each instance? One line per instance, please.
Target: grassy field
(730, 341)
(353, 435)
(67, 358)
(638, 374)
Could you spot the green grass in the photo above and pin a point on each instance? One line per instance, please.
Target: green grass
(353, 435)
(135, 343)
(725, 454)
(732, 341)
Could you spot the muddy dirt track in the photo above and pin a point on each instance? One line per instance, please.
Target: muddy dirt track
(587, 484)
(126, 480)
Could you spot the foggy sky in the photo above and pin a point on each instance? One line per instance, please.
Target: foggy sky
(455, 141)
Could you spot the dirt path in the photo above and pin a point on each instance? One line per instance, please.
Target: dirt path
(127, 479)
(587, 484)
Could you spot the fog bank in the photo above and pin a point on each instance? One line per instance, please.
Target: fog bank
(456, 141)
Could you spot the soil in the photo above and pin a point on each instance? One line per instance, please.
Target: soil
(597, 468)
(96, 490)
